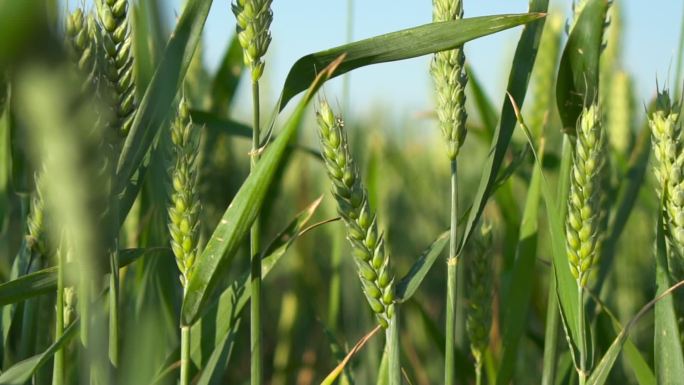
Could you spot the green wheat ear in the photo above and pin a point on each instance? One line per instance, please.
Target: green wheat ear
(37, 238)
(254, 19)
(479, 289)
(185, 204)
(119, 69)
(449, 75)
(669, 171)
(81, 31)
(368, 246)
(584, 224)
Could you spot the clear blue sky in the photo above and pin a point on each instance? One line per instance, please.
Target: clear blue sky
(303, 26)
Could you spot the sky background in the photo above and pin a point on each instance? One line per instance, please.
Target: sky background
(651, 32)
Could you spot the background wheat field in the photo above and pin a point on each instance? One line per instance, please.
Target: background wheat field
(176, 210)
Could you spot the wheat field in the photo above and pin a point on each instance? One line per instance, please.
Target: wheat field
(154, 232)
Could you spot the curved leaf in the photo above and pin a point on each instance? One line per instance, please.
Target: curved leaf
(578, 74)
(159, 96)
(221, 318)
(241, 213)
(412, 280)
(523, 61)
(22, 371)
(45, 281)
(405, 44)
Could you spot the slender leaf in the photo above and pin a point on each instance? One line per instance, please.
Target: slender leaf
(520, 288)
(233, 128)
(156, 103)
(22, 371)
(578, 74)
(669, 362)
(642, 371)
(227, 78)
(241, 213)
(566, 286)
(45, 281)
(212, 373)
(523, 61)
(221, 317)
(405, 44)
(412, 280)
(483, 104)
(335, 373)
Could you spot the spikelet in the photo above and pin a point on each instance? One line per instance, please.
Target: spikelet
(37, 238)
(450, 78)
(119, 68)
(254, 19)
(669, 171)
(185, 205)
(479, 291)
(585, 222)
(368, 246)
(82, 38)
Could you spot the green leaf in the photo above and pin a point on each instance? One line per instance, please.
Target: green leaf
(221, 317)
(241, 213)
(483, 104)
(212, 373)
(412, 280)
(523, 61)
(631, 183)
(520, 288)
(159, 96)
(45, 281)
(566, 285)
(22, 371)
(227, 78)
(669, 362)
(218, 125)
(405, 44)
(578, 74)
(643, 373)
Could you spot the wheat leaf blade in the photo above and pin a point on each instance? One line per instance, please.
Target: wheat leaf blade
(669, 361)
(523, 62)
(221, 317)
(159, 96)
(405, 44)
(408, 285)
(578, 74)
(22, 371)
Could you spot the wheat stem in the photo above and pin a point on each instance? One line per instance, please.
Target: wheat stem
(392, 346)
(255, 307)
(58, 366)
(185, 352)
(452, 287)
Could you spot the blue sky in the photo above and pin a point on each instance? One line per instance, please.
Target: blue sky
(303, 26)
